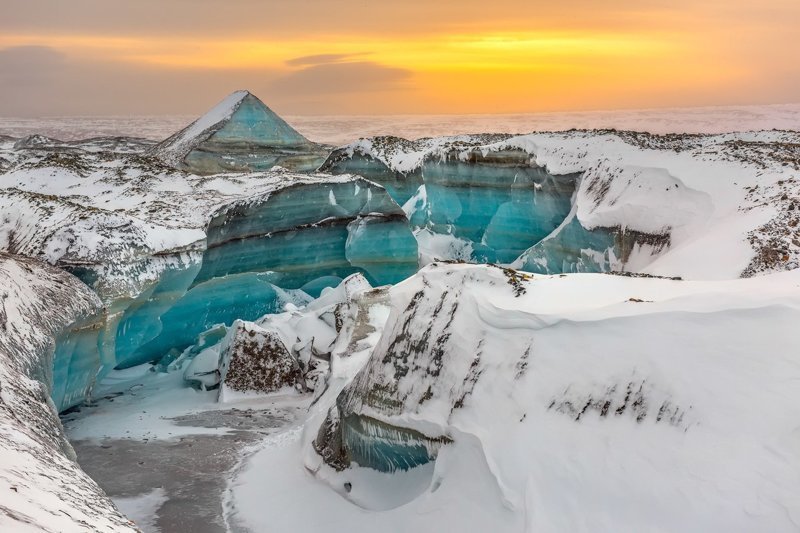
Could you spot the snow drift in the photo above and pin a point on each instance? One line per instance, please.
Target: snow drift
(593, 402)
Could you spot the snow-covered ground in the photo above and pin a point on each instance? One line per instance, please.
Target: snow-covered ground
(587, 403)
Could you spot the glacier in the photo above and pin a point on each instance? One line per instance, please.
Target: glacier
(489, 385)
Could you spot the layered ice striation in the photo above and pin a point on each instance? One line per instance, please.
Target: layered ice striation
(172, 254)
(577, 201)
(499, 201)
(279, 247)
(240, 134)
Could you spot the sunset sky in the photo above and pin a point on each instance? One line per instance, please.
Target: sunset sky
(384, 57)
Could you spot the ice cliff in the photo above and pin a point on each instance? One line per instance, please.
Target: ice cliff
(171, 254)
(697, 206)
(43, 488)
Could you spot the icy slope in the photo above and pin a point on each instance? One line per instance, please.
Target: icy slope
(577, 403)
(698, 206)
(239, 134)
(43, 488)
(171, 253)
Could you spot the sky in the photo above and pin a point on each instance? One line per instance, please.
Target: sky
(361, 57)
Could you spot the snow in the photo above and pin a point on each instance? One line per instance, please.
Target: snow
(143, 509)
(436, 247)
(43, 488)
(145, 410)
(716, 359)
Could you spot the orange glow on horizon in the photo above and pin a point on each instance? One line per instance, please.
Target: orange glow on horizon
(566, 58)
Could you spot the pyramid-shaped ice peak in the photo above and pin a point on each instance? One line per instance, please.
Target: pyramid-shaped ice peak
(239, 133)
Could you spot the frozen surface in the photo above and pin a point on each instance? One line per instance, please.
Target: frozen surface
(142, 509)
(165, 452)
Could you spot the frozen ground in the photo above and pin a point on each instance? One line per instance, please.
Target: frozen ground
(338, 130)
(164, 452)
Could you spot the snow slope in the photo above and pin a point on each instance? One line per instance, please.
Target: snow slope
(42, 487)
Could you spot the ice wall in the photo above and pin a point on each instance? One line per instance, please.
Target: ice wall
(556, 202)
(499, 201)
(172, 254)
(269, 250)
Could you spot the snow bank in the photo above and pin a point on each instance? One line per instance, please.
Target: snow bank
(43, 487)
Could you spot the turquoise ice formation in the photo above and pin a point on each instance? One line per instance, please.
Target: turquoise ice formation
(261, 253)
(499, 201)
(374, 444)
(286, 244)
(240, 134)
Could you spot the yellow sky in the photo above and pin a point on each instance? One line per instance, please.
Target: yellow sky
(352, 56)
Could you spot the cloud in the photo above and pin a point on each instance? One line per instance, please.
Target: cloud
(347, 77)
(28, 66)
(320, 59)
